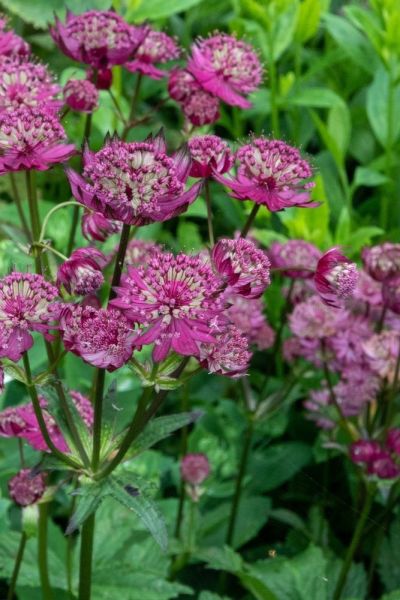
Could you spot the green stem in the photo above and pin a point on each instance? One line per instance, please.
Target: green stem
(17, 566)
(117, 106)
(250, 220)
(119, 261)
(209, 213)
(50, 213)
(47, 593)
(98, 410)
(183, 450)
(34, 216)
(355, 541)
(135, 99)
(18, 204)
(72, 231)
(86, 555)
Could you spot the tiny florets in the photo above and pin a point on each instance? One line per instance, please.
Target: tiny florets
(157, 47)
(181, 84)
(26, 488)
(81, 95)
(11, 44)
(95, 226)
(140, 252)
(82, 273)
(209, 154)
(229, 355)
(295, 258)
(335, 277)
(314, 319)
(201, 108)
(382, 261)
(381, 351)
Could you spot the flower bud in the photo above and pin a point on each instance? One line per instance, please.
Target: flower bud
(195, 468)
(26, 489)
(81, 273)
(335, 277)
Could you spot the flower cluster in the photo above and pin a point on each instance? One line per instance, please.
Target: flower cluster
(379, 459)
(81, 95)
(157, 47)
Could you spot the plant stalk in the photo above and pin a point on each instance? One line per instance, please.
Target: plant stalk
(18, 204)
(47, 593)
(209, 213)
(17, 566)
(250, 219)
(119, 261)
(86, 556)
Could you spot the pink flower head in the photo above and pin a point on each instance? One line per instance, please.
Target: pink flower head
(335, 277)
(271, 173)
(226, 67)
(295, 258)
(140, 252)
(31, 139)
(229, 355)
(82, 273)
(100, 39)
(391, 293)
(181, 84)
(243, 266)
(314, 319)
(384, 466)
(136, 182)
(201, 108)
(346, 342)
(355, 390)
(381, 351)
(81, 95)
(26, 303)
(95, 226)
(175, 299)
(101, 337)
(26, 83)
(11, 44)
(209, 153)
(247, 315)
(368, 290)
(157, 47)
(365, 451)
(84, 407)
(195, 468)
(382, 261)
(25, 488)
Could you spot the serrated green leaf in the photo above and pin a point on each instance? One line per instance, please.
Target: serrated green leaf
(89, 496)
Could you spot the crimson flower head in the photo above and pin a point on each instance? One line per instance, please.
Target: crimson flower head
(364, 451)
(26, 304)
(271, 173)
(243, 266)
(382, 261)
(175, 301)
(101, 337)
(100, 39)
(209, 153)
(102, 78)
(195, 468)
(95, 226)
(25, 488)
(157, 47)
(27, 83)
(136, 182)
(295, 258)
(31, 139)
(82, 273)
(229, 355)
(226, 67)
(81, 95)
(335, 277)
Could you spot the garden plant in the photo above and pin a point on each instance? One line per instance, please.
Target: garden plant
(199, 300)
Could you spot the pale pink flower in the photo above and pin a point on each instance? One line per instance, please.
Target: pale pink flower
(247, 315)
(229, 355)
(25, 488)
(368, 290)
(382, 351)
(391, 293)
(295, 258)
(314, 319)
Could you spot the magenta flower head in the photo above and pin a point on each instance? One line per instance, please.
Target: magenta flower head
(175, 300)
(209, 153)
(384, 466)
(391, 293)
(101, 337)
(365, 451)
(95, 226)
(26, 83)
(382, 261)
(181, 84)
(136, 182)
(25, 488)
(100, 39)
(247, 315)
(31, 139)
(81, 95)
(157, 47)
(335, 277)
(140, 252)
(295, 258)
(11, 44)
(271, 173)
(201, 108)
(226, 67)
(243, 266)
(26, 304)
(82, 273)
(195, 468)
(314, 319)
(229, 355)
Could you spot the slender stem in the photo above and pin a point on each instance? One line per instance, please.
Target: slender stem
(47, 593)
(119, 261)
(135, 99)
(52, 250)
(51, 212)
(209, 213)
(250, 220)
(40, 419)
(117, 106)
(355, 541)
(88, 128)
(21, 453)
(381, 322)
(183, 450)
(18, 204)
(17, 566)
(85, 561)
(34, 216)
(72, 231)
(98, 409)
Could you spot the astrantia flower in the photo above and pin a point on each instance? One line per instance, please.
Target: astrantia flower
(382, 261)
(140, 252)
(11, 44)
(335, 277)
(82, 273)
(100, 39)
(367, 289)
(25, 488)
(201, 108)
(314, 319)
(209, 154)
(384, 466)
(271, 173)
(136, 182)
(81, 95)
(229, 355)
(357, 388)
(26, 83)
(31, 139)
(101, 337)
(381, 351)
(226, 67)
(157, 47)
(26, 303)
(295, 258)
(243, 266)
(95, 226)
(102, 78)
(247, 315)
(195, 468)
(346, 342)
(364, 451)
(175, 300)
(181, 84)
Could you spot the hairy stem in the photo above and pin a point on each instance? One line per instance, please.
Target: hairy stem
(47, 593)
(17, 566)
